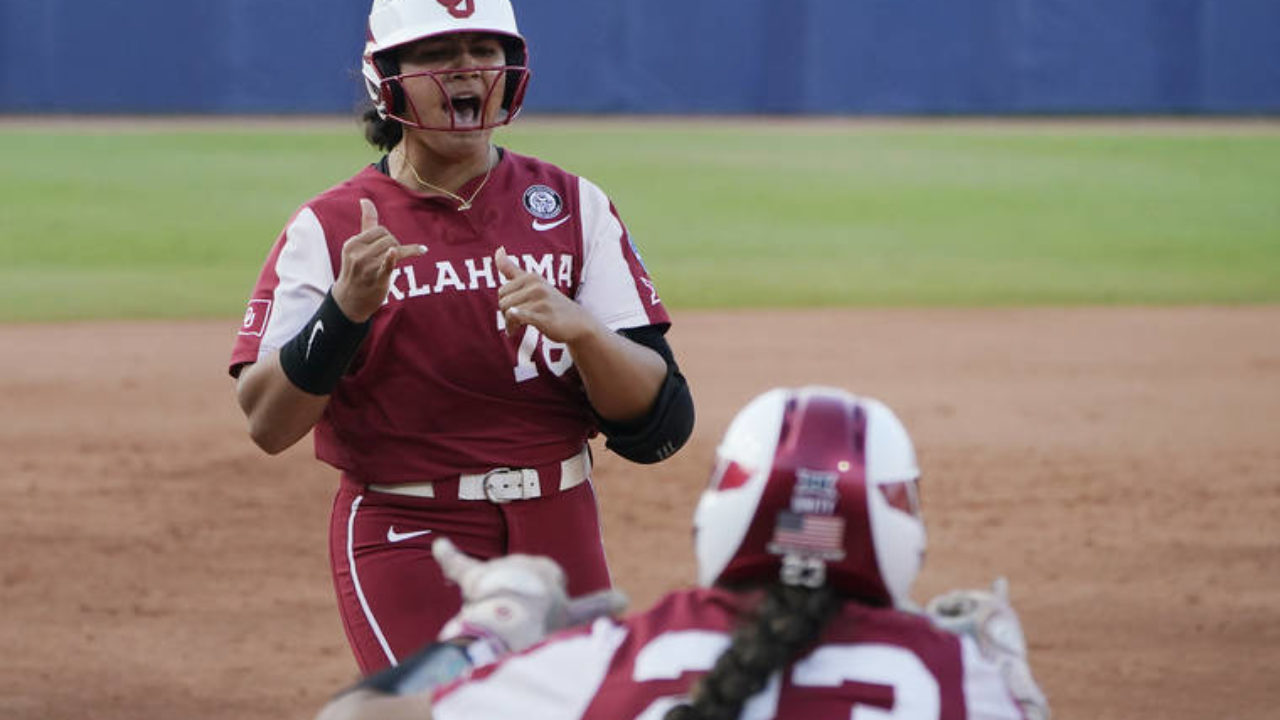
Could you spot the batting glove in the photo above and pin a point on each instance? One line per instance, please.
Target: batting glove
(990, 620)
(513, 602)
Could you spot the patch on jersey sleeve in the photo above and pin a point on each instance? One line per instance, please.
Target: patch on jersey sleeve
(636, 251)
(255, 317)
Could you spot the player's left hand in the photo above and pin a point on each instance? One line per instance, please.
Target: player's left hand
(990, 620)
(514, 601)
(526, 298)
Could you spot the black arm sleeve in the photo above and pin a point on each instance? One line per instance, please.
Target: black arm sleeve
(316, 358)
(658, 435)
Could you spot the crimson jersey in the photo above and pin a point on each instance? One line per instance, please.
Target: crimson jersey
(871, 662)
(438, 388)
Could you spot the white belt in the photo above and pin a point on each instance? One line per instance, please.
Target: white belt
(500, 485)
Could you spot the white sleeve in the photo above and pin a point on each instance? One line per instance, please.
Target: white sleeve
(553, 681)
(609, 287)
(986, 696)
(305, 274)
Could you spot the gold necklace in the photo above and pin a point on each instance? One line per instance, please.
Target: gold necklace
(463, 203)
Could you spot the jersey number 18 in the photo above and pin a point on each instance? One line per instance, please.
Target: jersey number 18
(555, 355)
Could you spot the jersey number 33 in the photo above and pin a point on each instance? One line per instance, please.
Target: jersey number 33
(860, 681)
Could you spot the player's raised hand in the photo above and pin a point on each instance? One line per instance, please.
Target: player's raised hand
(526, 298)
(511, 602)
(990, 620)
(368, 258)
(515, 600)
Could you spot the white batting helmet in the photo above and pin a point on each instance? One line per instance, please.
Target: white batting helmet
(395, 23)
(816, 486)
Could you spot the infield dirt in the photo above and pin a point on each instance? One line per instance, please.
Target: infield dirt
(1120, 466)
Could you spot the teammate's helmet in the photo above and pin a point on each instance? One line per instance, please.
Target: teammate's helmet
(817, 486)
(395, 23)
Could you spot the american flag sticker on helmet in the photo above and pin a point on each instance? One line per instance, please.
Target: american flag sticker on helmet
(255, 317)
(821, 535)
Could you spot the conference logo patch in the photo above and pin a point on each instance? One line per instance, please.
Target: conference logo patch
(542, 202)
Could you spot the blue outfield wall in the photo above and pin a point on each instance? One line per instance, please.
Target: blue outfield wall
(670, 56)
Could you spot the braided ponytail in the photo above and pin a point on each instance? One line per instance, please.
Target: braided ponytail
(788, 619)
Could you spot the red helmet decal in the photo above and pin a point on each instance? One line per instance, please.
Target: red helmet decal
(903, 496)
(459, 8)
(729, 476)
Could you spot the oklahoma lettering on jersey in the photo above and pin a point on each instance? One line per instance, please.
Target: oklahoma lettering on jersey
(870, 662)
(438, 388)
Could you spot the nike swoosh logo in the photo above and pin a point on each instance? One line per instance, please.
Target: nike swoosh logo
(315, 330)
(543, 227)
(395, 537)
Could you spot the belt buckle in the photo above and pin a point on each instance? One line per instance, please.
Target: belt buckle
(502, 485)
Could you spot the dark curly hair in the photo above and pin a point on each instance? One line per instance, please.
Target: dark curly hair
(788, 620)
(383, 133)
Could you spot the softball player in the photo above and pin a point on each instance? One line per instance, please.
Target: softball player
(808, 539)
(455, 321)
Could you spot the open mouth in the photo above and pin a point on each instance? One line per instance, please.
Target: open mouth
(466, 110)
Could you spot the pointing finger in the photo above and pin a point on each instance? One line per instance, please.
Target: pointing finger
(1000, 588)
(368, 214)
(399, 253)
(505, 264)
(404, 252)
(586, 608)
(455, 563)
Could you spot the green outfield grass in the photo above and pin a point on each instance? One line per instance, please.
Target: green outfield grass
(176, 222)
